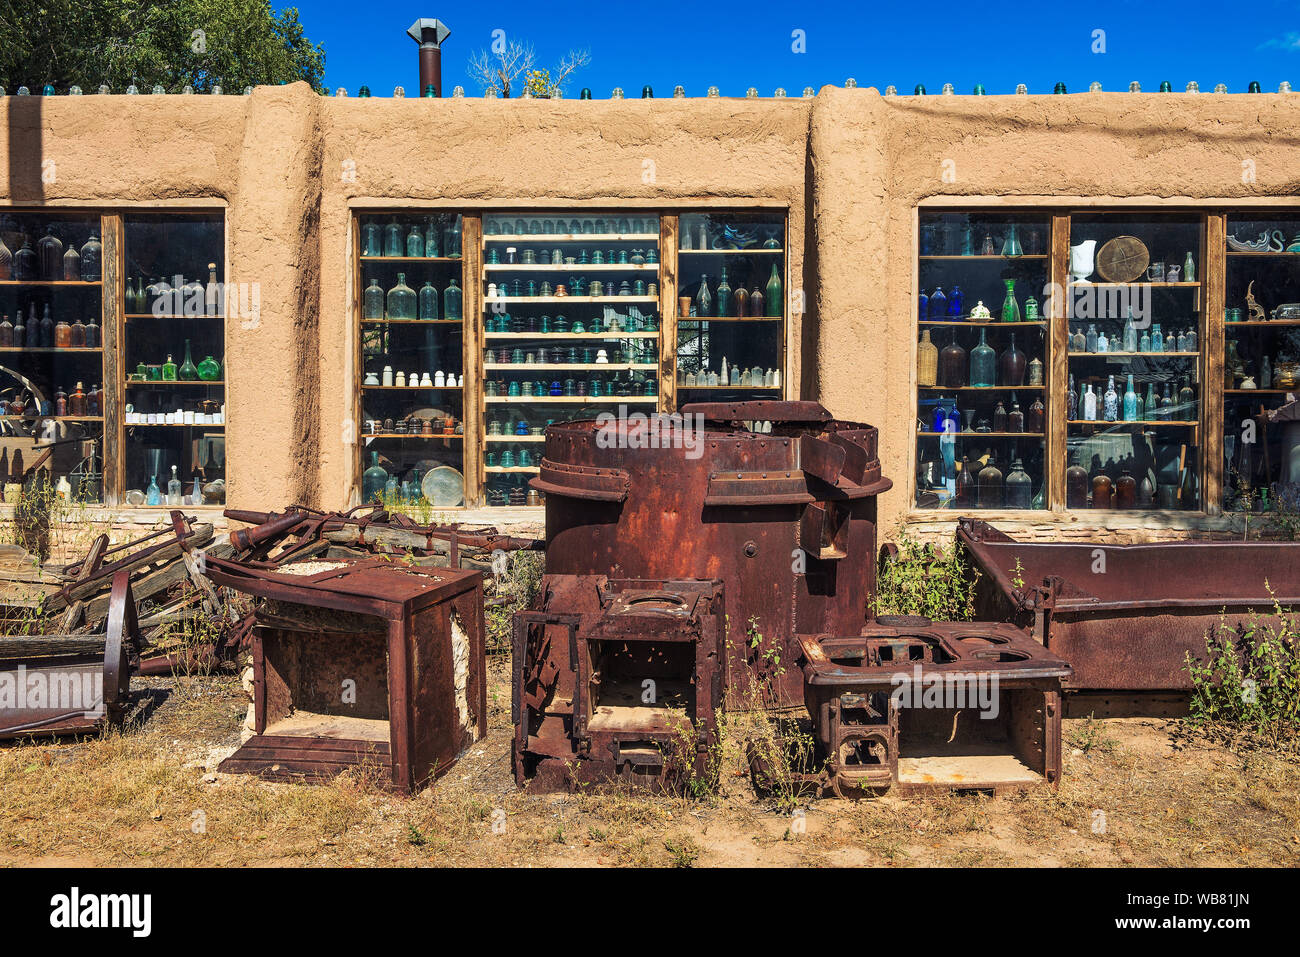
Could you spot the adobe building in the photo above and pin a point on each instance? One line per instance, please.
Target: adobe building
(889, 224)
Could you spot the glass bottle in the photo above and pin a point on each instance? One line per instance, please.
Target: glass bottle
(1130, 402)
(1089, 404)
(77, 337)
(6, 332)
(47, 328)
(1076, 487)
(153, 496)
(927, 360)
(20, 330)
(1035, 374)
(1103, 343)
(393, 239)
(1167, 404)
(723, 295)
(1000, 418)
(923, 307)
(1189, 268)
(955, 303)
(966, 484)
(1126, 490)
(169, 370)
(703, 298)
(432, 238)
(1187, 399)
(983, 364)
(6, 261)
(1191, 340)
(401, 300)
(372, 301)
(372, 241)
(451, 301)
(188, 372)
(1110, 401)
(1144, 342)
(756, 304)
(1071, 402)
(77, 401)
(1011, 245)
(1157, 338)
(775, 300)
(71, 265)
(1101, 490)
(1036, 420)
(373, 480)
(173, 489)
(1019, 486)
(414, 243)
(1090, 341)
(1011, 365)
(1151, 405)
(1078, 341)
(1130, 333)
(1010, 307)
(428, 301)
(92, 332)
(209, 370)
(453, 239)
(49, 249)
(27, 265)
(937, 308)
(60, 402)
(1015, 418)
(952, 366)
(94, 400)
(989, 490)
(214, 296)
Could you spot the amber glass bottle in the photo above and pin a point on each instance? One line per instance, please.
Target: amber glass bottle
(62, 335)
(77, 402)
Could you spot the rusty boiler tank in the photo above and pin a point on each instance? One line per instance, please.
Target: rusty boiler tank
(712, 538)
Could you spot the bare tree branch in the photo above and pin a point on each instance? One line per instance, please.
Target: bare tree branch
(497, 70)
(572, 62)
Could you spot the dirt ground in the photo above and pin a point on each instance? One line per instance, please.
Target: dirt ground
(1135, 792)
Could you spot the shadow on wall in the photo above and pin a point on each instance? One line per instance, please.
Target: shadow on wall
(25, 149)
(809, 375)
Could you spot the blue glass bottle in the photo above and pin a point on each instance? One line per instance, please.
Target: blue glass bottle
(393, 239)
(428, 301)
(938, 304)
(922, 308)
(955, 303)
(1130, 402)
(432, 239)
(940, 415)
(451, 301)
(154, 495)
(414, 243)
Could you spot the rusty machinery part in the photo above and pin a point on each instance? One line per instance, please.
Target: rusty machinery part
(873, 731)
(785, 519)
(377, 527)
(609, 674)
(410, 638)
(77, 661)
(1127, 616)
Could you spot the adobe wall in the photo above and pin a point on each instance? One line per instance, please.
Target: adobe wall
(852, 166)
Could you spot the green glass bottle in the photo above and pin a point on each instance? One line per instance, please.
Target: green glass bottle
(775, 300)
(1010, 308)
(187, 372)
(723, 294)
(373, 481)
(401, 300)
(169, 370)
(451, 301)
(209, 369)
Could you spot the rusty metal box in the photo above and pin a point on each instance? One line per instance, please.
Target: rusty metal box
(361, 662)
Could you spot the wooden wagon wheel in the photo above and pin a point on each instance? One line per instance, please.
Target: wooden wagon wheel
(1123, 259)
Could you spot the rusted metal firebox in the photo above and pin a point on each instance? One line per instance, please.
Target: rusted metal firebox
(915, 704)
(1127, 616)
(71, 684)
(653, 525)
(616, 678)
(360, 662)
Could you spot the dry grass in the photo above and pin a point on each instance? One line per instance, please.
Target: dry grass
(132, 798)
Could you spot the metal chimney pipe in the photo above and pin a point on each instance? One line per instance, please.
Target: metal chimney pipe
(429, 34)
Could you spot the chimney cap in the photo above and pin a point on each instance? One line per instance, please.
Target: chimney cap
(428, 30)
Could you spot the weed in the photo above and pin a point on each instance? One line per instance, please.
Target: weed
(682, 852)
(413, 836)
(920, 581)
(1088, 734)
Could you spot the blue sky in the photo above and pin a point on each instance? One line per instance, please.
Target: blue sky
(735, 45)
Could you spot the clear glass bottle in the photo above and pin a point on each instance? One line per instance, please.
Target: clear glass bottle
(1089, 404)
(428, 301)
(983, 364)
(703, 298)
(1130, 333)
(1130, 402)
(174, 489)
(1071, 402)
(451, 301)
(1110, 401)
(401, 300)
(393, 239)
(372, 301)
(432, 238)
(372, 240)
(92, 257)
(1011, 244)
(415, 243)
(1091, 339)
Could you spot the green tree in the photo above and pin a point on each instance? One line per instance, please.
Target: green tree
(172, 44)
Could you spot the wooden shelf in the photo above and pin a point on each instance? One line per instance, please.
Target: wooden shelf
(411, 388)
(572, 238)
(511, 468)
(758, 251)
(1293, 391)
(985, 435)
(571, 335)
(514, 438)
(983, 388)
(52, 418)
(167, 384)
(1173, 423)
(731, 318)
(411, 259)
(569, 366)
(1133, 355)
(1281, 254)
(568, 399)
(762, 388)
(566, 268)
(1136, 282)
(413, 435)
(171, 315)
(209, 426)
(73, 283)
(983, 257)
(411, 322)
(48, 349)
(1259, 323)
(983, 323)
(581, 300)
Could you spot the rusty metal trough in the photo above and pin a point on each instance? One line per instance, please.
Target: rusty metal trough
(1127, 616)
